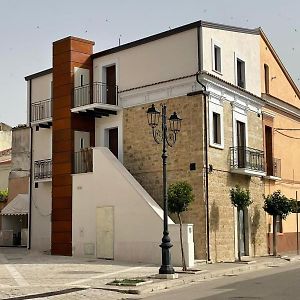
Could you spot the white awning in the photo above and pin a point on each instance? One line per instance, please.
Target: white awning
(18, 206)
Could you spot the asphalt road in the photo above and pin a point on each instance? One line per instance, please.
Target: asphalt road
(282, 283)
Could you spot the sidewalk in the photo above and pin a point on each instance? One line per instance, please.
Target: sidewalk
(27, 275)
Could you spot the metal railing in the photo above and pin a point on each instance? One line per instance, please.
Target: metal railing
(275, 168)
(98, 92)
(247, 158)
(43, 169)
(41, 110)
(83, 161)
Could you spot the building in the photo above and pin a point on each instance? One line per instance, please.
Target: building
(15, 212)
(95, 202)
(281, 122)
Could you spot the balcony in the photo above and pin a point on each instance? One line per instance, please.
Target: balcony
(83, 161)
(41, 113)
(247, 161)
(43, 170)
(98, 100)
(273, 169)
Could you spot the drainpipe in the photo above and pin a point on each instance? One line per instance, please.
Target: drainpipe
(205, 94)
(30, 169)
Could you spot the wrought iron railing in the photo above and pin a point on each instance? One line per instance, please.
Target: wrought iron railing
(247, 158)
(274, 169)
(41, 110)
(99, 93)
(43, 169)
(83, 161)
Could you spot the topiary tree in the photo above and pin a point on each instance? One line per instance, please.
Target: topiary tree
(240, 198)
(3, 195)
(180, 196)
(277, 205)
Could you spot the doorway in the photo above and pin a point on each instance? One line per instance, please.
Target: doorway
(241, 144)
(113, 143)
(269, 150)
(243, 232)
(111, 85)
(105, 232)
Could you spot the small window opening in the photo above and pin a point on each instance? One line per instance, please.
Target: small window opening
(217, 58)
(240, 68)
(216, 128)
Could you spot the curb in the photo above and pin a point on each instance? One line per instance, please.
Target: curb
(190, 279)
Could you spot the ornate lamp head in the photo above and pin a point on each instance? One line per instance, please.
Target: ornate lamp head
(175, 123)
(153, 116)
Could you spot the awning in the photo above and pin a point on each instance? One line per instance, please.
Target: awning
(18, 206)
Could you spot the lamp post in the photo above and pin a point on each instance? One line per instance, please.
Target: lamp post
(166, 136)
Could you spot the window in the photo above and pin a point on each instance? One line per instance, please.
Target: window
(81, 80)
(216, 128)
(240, 73)
(217, 58)
(266, 69)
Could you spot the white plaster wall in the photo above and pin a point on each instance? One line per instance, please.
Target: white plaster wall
(245, 46)
(77, 76)
(102, 124)
(138, 219)
(41, 217)
(41, 88)
(5, 140)
(42, 143)
(163, 59)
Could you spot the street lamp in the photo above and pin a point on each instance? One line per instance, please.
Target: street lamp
(166, 136)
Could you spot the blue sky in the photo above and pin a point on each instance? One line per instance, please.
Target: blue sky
(28, 28)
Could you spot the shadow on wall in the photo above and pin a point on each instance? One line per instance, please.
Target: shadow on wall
(255, 220)
(214, 224)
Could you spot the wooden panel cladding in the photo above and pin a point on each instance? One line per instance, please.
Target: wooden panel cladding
(67, 53)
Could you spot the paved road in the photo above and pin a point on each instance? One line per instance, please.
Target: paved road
(282, 283)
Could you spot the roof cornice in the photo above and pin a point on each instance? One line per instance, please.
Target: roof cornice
(38, 74)
(176, 30)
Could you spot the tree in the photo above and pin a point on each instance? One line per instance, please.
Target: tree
(277, 205)
(240, 198)
(3, 195)
(179, 197)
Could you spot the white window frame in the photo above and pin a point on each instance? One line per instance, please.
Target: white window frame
(215, 106)
(217, 44)
(236, 58)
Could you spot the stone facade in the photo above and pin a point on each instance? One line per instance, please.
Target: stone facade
(223, 244)
(142, 157)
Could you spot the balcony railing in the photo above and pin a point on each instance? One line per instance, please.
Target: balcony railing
(43, 169)
(41, 110)
(83, 161)
(98, 92)
(274, 168)
(247, 158)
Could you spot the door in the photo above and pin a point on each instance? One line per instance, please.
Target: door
(241, 144)
(111, 85)
(113, 141)
(242, 232)
(105, 232)
(269, 149)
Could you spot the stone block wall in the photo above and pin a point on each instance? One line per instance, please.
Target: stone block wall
(142, 157)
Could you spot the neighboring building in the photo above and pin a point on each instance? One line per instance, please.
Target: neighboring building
(5, 159)
(84, 200)
(281, 123)
(15, 212)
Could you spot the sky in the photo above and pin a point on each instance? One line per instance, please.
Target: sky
(28, 28)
